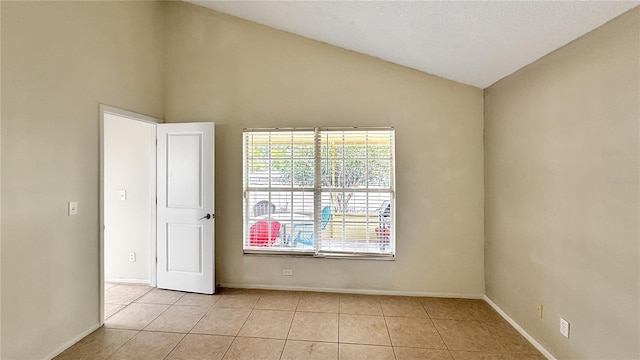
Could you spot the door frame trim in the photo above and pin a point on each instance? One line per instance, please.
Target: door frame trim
(106, 109)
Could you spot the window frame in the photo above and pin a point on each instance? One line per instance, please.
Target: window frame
(317, 190)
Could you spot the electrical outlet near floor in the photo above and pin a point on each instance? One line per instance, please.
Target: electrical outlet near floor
(287, 272)
(539, 309)
(564, 327)
(132, 256)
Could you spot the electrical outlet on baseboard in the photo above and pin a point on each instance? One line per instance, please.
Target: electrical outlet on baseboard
(287, 272)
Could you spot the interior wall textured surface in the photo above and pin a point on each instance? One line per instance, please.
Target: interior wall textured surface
(562, 194)
(59, 61)
(239, 74)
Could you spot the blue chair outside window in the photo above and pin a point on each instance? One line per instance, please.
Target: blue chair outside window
(304, 231)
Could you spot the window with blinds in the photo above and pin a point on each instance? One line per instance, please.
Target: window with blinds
(319, 191)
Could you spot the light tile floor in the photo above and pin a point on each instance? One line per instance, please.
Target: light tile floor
(146, 323)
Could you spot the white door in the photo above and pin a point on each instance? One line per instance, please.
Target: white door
(185, 207)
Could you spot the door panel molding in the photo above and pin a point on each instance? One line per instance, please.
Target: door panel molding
(185, 236)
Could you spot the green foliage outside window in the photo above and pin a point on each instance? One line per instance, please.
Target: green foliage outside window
(343, 166)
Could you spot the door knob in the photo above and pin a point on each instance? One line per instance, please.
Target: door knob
(208, 216)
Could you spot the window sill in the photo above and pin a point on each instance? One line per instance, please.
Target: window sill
(312, 255)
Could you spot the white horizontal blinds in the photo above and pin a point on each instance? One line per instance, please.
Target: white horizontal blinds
(278, 183)
(357, 186)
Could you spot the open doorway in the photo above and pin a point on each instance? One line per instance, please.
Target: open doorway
(156, 206)
(128, 201)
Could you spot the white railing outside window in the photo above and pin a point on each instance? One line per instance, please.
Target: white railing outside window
(319, 191)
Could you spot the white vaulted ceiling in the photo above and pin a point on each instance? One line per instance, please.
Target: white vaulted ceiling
(473, 42)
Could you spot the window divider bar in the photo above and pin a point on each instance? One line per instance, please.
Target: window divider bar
(317, 193)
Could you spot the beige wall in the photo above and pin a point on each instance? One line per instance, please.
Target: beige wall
(562, 194)
(0, 182)
(129, 165)
(240, 74)
(59, 60)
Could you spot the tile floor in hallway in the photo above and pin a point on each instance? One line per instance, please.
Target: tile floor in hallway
(146, 323)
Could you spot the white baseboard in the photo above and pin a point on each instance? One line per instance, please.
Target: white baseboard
(513, 323)
(350, 291)
(71, 342)
(128, 281)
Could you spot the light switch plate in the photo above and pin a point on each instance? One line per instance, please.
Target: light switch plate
(73, 208)
(122, 195)
(564, 327)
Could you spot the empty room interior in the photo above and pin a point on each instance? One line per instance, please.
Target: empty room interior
(374, 180)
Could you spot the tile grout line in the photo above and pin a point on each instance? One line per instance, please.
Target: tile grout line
(495, 338)
(205, 314)
(124, 306)
(393, 348)
(247, 319)
(157, 316)
(290, 326)
(228, 348)
(442, 338)
(175, 346)
(201, 317)
(123, 344)
(235, 338)
(339, 316)
(437, 331)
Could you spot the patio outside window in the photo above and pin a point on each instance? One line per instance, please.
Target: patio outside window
(319, 191)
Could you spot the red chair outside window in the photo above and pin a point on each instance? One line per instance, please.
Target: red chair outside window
(264, 233)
